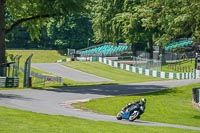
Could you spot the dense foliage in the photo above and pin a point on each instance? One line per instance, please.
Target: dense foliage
(135, 20)
(72, 33)
(34, 15)
(155, 22)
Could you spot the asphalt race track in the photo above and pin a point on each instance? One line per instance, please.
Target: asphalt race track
(57, 101)
(67, 72)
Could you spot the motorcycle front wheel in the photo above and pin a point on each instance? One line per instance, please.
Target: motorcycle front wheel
(119, 116)
(134, 115)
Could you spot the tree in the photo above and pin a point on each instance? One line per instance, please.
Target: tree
(71, 33)
(131, 21)
(103, 11)
(157, 22)
(33, 14)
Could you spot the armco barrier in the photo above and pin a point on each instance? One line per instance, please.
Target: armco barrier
(45, 77)
(154, 73)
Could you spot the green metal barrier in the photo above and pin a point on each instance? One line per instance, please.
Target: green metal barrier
(12, 82)
(196, 94)
(2, 81)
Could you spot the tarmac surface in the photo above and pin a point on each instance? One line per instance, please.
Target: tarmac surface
(67, 72)
(58, 101)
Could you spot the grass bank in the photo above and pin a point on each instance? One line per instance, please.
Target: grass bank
(39, 56)
(16, 121)
(106, 71)
(168, 106)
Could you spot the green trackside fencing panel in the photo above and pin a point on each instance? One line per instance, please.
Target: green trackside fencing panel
(112, 63)
(196, 95)
(166, 75)
(2, 81)
(94, 59)
(124, 66)
(11, 73)
(158, 74)
(181, 76)
(137, 70)
(130, 68)
(185, 75)
(118, 65)
(143, 71)
(174, 76)
(148, 72)
(12, 82)
(9, 82)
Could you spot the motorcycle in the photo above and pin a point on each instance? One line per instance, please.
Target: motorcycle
(132, 113)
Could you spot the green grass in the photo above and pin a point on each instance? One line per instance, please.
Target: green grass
(179, 66)
(39, 56)
(118, 75)
(16, 121)
(168, 106)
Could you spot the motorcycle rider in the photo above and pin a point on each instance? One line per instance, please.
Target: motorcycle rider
(141, 102)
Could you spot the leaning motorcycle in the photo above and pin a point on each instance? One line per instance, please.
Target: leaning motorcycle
(132, 113)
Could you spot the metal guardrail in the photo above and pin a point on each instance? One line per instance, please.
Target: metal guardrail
(45, 77)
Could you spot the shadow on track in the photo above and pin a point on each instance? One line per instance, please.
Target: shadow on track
(113, 90)
(13, 96)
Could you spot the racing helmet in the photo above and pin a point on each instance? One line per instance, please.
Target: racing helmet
(143, 100)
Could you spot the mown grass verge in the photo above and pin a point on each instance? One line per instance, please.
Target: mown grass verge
(39, 56)
(16, 121)
(168, 106)
(115, 74)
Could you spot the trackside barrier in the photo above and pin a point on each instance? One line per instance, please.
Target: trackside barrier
(148, 72)
(12, 82)
(196, 97)
(9, 82)
(51, 78)
(45, 77)
(2, 81)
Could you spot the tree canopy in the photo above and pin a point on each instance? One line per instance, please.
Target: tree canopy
(156, 22)
(33, 14)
